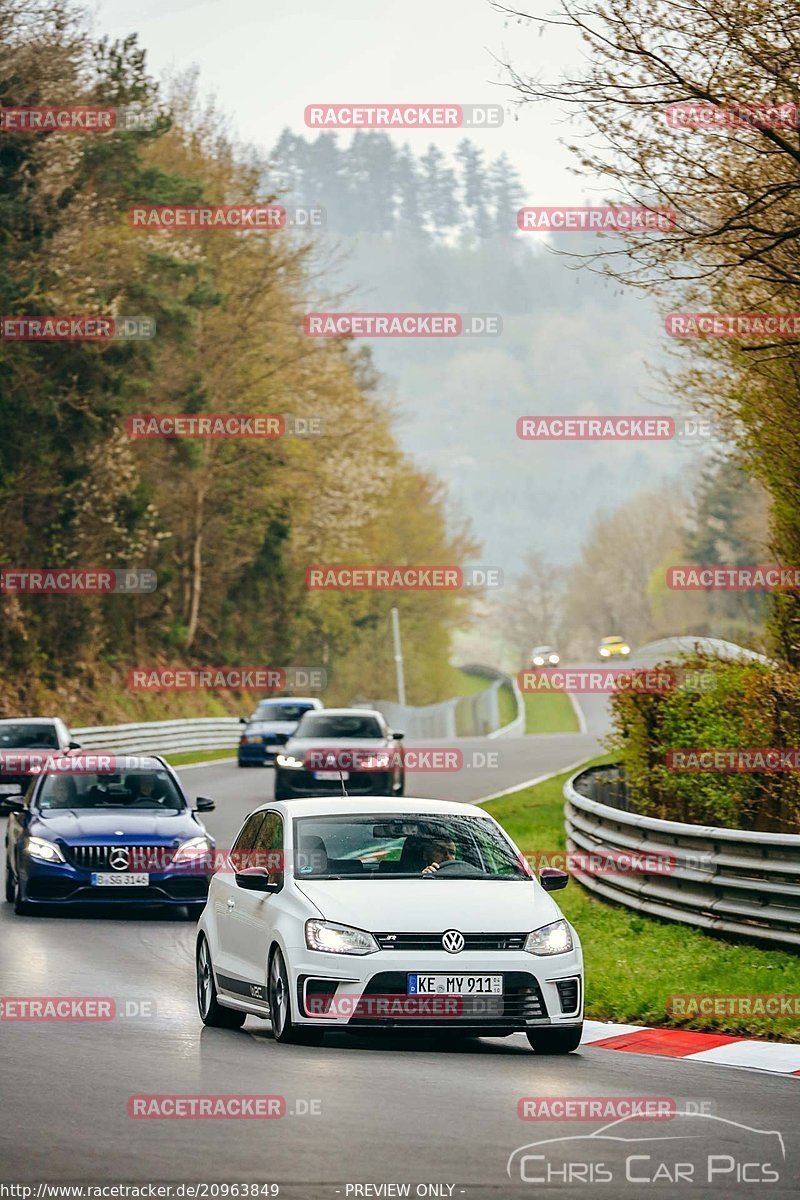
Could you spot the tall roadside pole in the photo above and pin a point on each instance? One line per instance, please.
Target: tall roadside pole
(398, 658)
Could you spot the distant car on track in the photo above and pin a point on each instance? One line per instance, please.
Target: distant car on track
(124, 835)
(352, 748)
(379, 914)
(269, 728)
(28, 733)
(544, 656)
(613, 647)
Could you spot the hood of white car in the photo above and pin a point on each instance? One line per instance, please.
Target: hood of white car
(432, 905)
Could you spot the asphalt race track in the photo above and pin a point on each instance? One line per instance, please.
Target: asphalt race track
(369, 1111)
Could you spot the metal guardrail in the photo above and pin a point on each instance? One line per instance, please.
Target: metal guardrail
(222, 733)
(162, 737)
(725, 880)
(462, 716)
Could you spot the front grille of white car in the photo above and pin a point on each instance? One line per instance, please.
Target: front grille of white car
(433, 941)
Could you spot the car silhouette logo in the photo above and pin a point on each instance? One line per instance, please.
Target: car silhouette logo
(453, 941)
(119, 859)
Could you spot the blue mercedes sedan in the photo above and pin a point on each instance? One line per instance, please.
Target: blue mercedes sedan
(95, 829)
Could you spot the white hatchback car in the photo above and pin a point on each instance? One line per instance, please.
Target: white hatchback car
(387, 913)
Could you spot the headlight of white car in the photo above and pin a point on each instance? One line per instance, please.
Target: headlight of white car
(604, 653)
(625, 649)
(339, 939)
(44, 850)
(289, 761)
(538, 661)
(554, 658)
(192, 851)
(555, 938)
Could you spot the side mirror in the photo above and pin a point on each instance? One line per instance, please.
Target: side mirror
(398, 735)
(74, 746)
(204, 804)
(12, 804)
(242, 720)
(553, 880)
(256, 879)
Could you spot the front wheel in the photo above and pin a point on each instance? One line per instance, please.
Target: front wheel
(9, 881)
(280, 792)
(555, 1041)
(280, 1008)
(211, 1011)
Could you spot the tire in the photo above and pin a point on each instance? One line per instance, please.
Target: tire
(9, 881)
(555, 1041)
(20, 907)
(283, 1028)
(211, 1011)
(195, 911)
(280, 792)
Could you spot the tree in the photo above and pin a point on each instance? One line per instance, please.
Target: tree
(736, 195)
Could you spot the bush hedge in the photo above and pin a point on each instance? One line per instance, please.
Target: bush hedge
(719, 704)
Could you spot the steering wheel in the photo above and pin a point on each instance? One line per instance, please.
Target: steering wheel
(463, 868)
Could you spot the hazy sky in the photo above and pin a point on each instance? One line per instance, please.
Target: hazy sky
(266, 61)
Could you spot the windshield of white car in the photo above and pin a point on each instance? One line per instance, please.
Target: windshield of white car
(396, 846)
(280, 712)
(136, 790)
(16, 735)
(338, 725)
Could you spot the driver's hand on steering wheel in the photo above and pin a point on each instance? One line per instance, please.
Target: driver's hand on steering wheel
(434, 866)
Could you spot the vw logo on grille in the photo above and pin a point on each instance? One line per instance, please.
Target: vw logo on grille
(453, 941)
(119, 858)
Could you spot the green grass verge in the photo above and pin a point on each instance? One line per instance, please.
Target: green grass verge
(634, 963)
(549, 712)
(192, 756)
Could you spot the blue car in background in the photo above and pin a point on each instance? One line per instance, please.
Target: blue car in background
(124, 834)
(269, 728)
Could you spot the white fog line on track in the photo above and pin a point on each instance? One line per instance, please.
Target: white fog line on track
(532, 782)
(576, 708)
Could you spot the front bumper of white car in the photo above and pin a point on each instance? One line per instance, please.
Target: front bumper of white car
(372, 990)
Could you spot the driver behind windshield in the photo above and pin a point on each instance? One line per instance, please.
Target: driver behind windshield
(436, 851)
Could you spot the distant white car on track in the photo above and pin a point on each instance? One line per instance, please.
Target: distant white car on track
(387, 913)
(545, 656)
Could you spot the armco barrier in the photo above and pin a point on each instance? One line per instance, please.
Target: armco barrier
(463, 716)
(725, 880)
(163, 737)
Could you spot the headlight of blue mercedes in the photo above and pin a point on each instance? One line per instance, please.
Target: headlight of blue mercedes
(43, 850)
